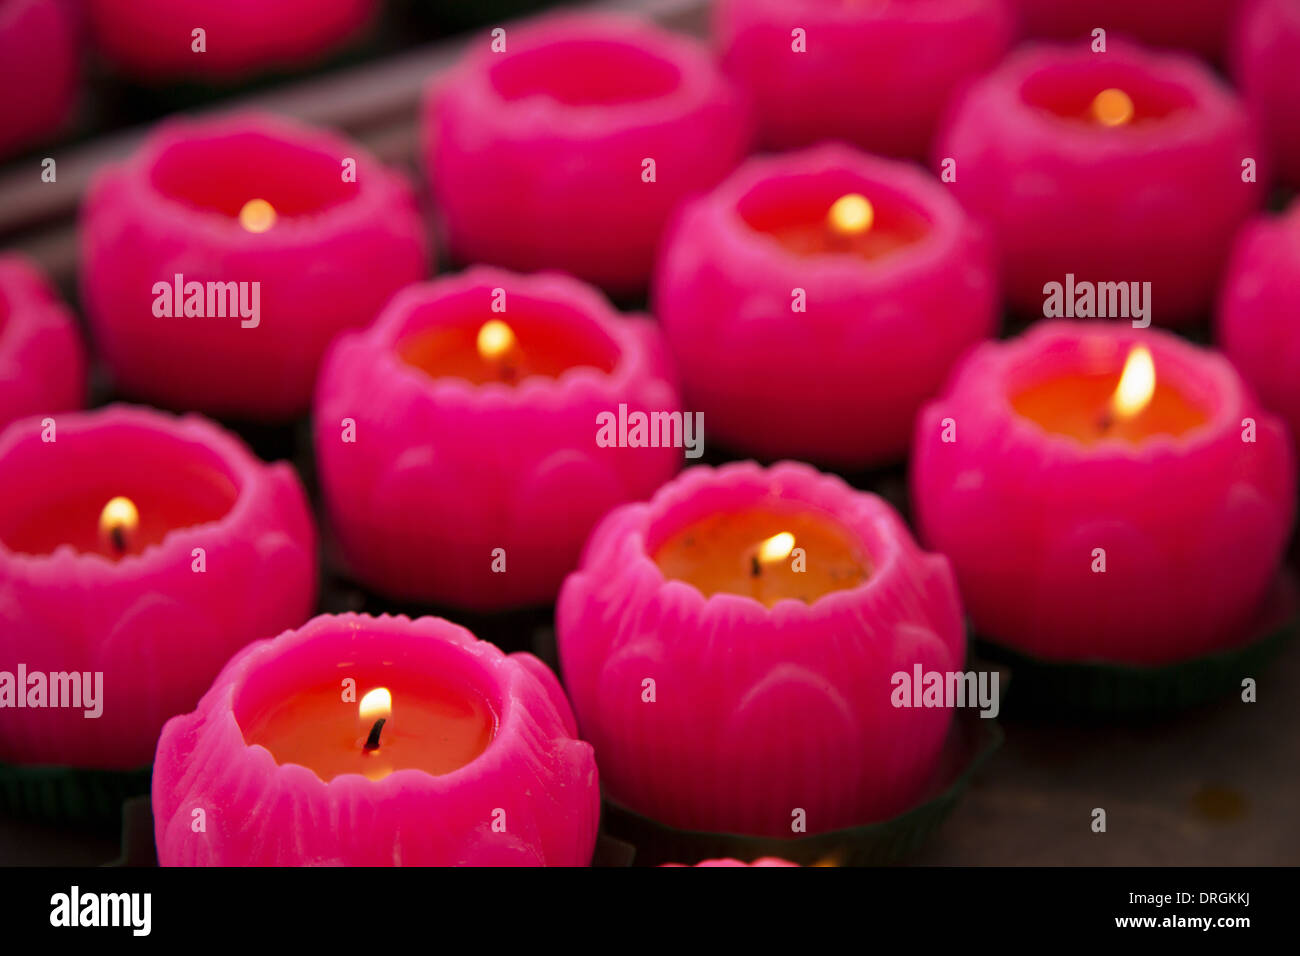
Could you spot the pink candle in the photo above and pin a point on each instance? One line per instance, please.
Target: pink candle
(728, 862)
(156, 40)
(252, 756)
(1201, 26)
(818, 289)
(222, 258)
(39, 69)
(1265, 50)
(1105, 494)
(42, 361)
(1119, 167)
(1257, 320)
(874, 74)
(729, 712)
(460, 442)
(570, 149)
(143, 551)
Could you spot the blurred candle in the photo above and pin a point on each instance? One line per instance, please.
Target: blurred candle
(570, 149)
(222, 258)
(138, 530)
(1085, 477)
(877, 75)
(819, 288)
(40, 72)
(42, 360)
(1265, 51)
(154, 39)
(1119, 167)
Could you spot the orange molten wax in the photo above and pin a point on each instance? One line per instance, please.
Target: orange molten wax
(452, 352)
(431, 728)
(1078, 405)
(720, 553)
(74, 518)
(808, 232)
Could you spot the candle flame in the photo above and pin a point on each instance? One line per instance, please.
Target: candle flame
(376, 704)
(258, 215)
(851, 215)
(776, 548)
(1137, 384)
(495, 339)
(118, 522)
(1112, 107)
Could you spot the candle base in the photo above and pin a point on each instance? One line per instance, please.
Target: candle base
(971, 742)
(1102, 689)
(69, 796)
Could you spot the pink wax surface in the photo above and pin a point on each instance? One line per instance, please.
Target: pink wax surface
(757, 710)
(443, 472)
(1157, 200)
(536, 155)
(877, 75)
(535, 776)
(728, 862)
(42, 360)
(1259, 312)
(152, 39)
(1265, 51)
(840, 383)
(1193, 528)
(1201, 26)
(39, 69)
(156, 628)
(335, 254)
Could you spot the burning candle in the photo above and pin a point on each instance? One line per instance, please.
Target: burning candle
(604, 124)
(1265, 50)
(839, 288)
(877, 75)
(1084, 477)
(1200, 26)
(713, 707)
(138, 530)
(39, 69)
(1083, 164)
(457, 437)
(362, 741)
(42, 361)
(1258, 309)
(156, 40)
(224, 256)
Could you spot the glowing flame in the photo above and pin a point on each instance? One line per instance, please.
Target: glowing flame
(851, 215)
(258, 215)
(1137, 384)
(495, 339)
(776, 548)
(118, 522)
(1112, 107)
(376, 704)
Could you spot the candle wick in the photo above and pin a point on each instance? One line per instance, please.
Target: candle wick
(372, 742)
(118, 537)
(755, 569)
(1106, 421)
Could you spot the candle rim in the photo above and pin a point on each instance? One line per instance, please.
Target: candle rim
(1213, 105)
(1202, 376)
(949, 224)
(220, 447)
(28, 303)
(464, 675)
(865, 518)
(700, 84)
(497, 673)
(584, 303)
(374, 185)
